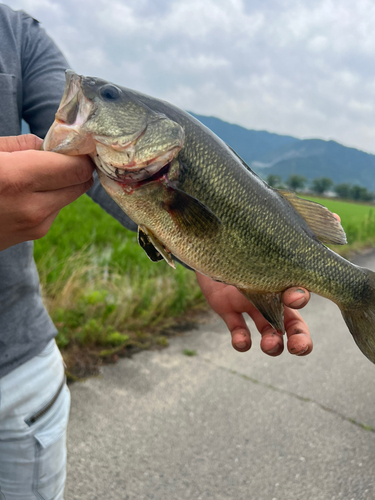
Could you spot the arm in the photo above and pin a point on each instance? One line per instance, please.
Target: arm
(100, 196)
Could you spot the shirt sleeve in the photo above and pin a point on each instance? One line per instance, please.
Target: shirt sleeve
(43, 77)
(43, 82)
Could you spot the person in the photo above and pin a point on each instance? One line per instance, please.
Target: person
(34, 186)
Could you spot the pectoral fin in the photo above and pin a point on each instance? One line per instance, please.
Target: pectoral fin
(320, 220)
(270, 305)
(154, 249)
(190, 214)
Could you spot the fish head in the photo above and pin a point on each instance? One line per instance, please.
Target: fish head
(128, 141)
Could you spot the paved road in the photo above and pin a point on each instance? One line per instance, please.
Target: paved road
(223, 425)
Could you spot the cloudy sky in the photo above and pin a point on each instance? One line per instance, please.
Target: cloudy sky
(303, 68)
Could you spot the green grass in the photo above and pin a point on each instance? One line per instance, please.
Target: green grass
(100, 287)
(84, 226)
(189, 352)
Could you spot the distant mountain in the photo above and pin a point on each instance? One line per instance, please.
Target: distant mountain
(283, 155)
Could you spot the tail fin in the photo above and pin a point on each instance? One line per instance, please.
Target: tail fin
(361, 320)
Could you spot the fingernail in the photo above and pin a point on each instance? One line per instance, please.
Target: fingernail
(274, 350)
(299, 302)
(302, 352)
(241, 345)
(300, 290)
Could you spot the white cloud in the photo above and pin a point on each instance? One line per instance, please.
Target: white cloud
(298, 67)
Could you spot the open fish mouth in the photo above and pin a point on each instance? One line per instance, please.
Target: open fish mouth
(138, 174)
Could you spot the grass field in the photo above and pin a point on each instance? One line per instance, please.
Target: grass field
(101, 289)
(106, 296)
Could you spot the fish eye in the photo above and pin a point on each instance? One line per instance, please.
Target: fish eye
(109, 93)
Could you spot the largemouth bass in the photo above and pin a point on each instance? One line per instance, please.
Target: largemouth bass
(194, 198)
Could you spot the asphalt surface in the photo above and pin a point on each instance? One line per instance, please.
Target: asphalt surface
(225, 425)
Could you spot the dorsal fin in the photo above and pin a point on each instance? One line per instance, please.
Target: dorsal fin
(321, 221)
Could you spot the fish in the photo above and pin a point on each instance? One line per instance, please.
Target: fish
(195, 200)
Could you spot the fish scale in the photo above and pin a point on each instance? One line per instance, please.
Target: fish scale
(258, 228)
(194, 198)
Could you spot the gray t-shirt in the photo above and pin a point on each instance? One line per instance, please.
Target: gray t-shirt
(31, 85)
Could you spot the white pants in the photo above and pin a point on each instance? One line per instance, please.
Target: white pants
(34, 410)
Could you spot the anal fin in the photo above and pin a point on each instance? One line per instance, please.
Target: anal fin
(270, 305)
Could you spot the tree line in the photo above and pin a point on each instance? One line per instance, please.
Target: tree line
(321, 186)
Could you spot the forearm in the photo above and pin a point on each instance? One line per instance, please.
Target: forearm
(99, 196)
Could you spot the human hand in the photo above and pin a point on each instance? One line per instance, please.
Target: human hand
(35, 186)
(231, 305)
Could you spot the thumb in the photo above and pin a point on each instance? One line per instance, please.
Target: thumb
(20, 143)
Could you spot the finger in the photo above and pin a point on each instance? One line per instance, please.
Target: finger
(44, 227)
(337, 216)
(46, 171)
(272, 341)
(20, 143)
(241, 339)
(296, 298)
(54, 201)
(298, 334)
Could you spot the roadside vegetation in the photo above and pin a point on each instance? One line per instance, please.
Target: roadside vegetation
(108, 299)
(103, 293)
